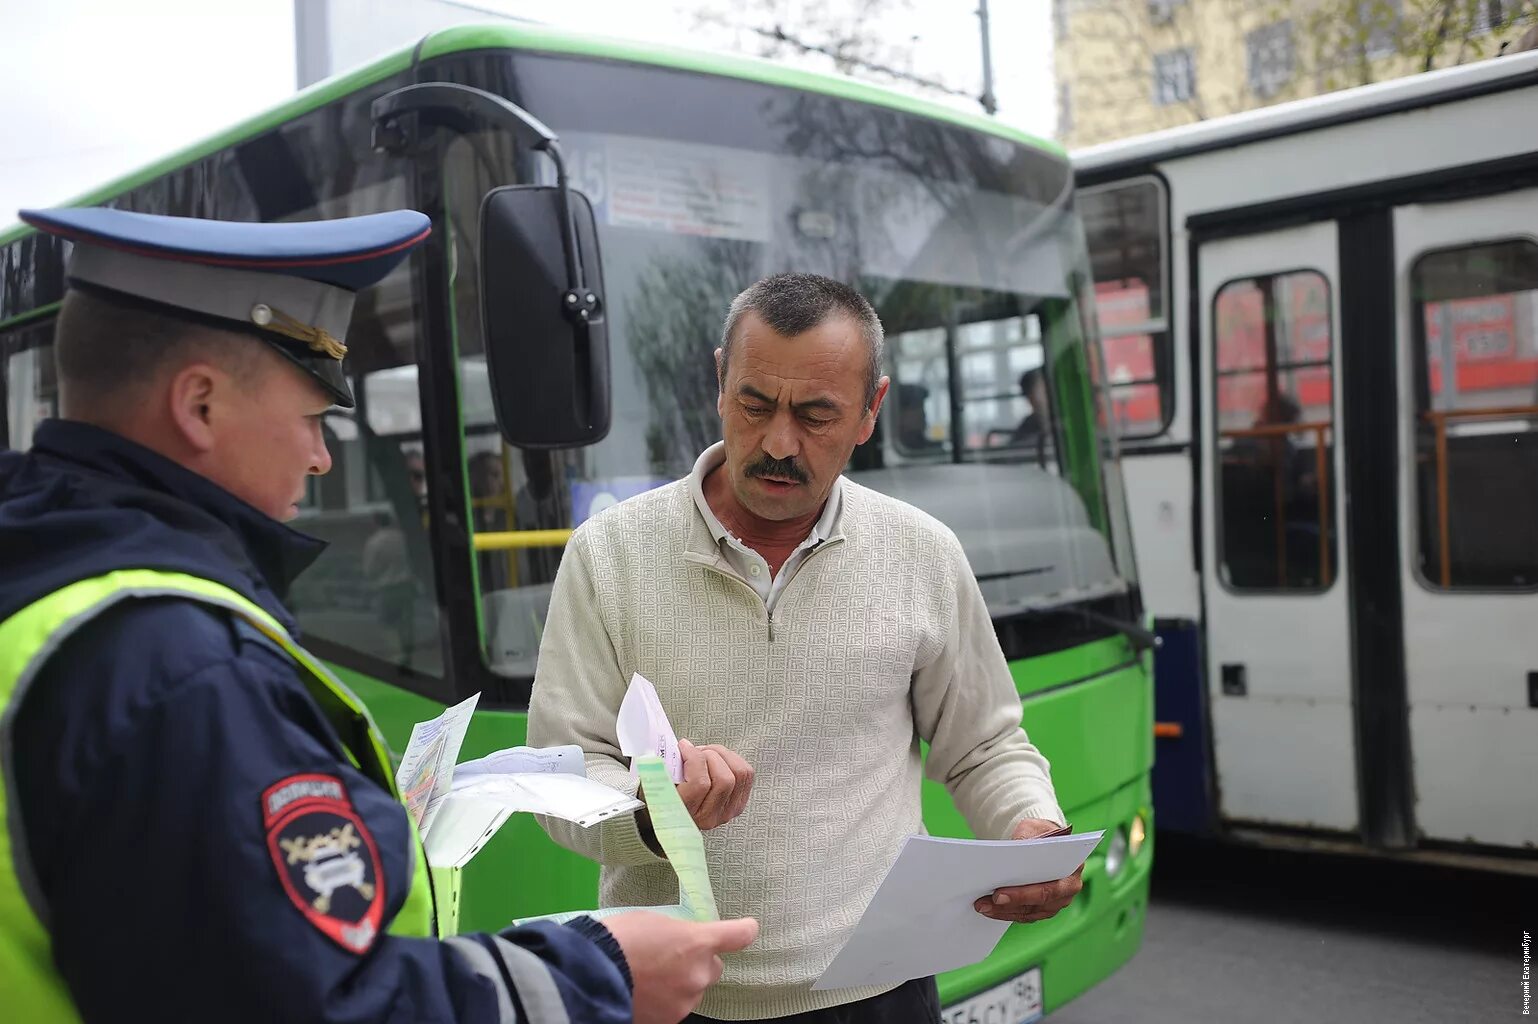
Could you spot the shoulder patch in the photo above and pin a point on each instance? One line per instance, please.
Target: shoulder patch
(326, 858)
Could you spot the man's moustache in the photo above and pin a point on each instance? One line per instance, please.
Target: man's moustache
(784, 468)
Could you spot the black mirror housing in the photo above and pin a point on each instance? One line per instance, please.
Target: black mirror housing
(547, 347)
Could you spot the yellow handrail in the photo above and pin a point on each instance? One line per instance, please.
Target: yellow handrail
(508, 539)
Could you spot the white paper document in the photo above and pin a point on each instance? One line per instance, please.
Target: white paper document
(566, 759)
(681, 841)
(644, 729)
(921, 920)
(458, 809)
(480, 803)
(463, 826)
(426, 770)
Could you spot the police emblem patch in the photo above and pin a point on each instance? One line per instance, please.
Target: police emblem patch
(326, 858)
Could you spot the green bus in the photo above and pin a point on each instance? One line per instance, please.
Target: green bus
(699, 174)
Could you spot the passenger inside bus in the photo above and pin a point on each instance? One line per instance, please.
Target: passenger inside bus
(1037, 424)
(540, 504)
(1271, 503)
(913, 434)
(489, 511)
(387, 570)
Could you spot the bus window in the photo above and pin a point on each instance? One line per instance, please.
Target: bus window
(1275, 432)
(370, 599)
(971, 266)
(1002, 383)
(1124, 224)
(29, 388)
(521, 501)
(372, 590)
(1475, 318)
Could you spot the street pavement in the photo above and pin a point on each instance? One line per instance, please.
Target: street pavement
(1238, 934)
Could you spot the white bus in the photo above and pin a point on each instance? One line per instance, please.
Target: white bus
(1320, 326)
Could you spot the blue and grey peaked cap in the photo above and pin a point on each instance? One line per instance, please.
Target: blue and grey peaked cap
(292, 285)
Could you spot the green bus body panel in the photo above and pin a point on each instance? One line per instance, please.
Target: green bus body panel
(1072, 665)
(1073, 701)
(544, 39)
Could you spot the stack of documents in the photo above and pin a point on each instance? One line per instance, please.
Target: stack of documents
(921, 920)
(458, 809)
(680, 840)
(426, 771)
(647, 738)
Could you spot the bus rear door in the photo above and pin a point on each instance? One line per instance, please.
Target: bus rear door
(1467, 283)
(1275, 585)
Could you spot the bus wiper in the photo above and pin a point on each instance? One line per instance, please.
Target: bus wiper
(1036, 571)
(1141, 639)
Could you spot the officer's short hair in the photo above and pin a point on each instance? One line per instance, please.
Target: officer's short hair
(794, 303)
(107, 350)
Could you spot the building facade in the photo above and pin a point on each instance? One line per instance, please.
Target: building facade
(1125, 67)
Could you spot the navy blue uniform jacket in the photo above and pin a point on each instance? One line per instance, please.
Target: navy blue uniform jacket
(141, 755)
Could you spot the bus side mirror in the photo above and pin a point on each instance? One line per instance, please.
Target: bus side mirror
(547, 344)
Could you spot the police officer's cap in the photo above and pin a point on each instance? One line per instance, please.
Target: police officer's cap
(292, 285)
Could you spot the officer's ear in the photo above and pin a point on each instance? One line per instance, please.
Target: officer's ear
(193, 395)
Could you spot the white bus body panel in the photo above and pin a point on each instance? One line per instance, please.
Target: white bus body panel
(1397, 145)
(1159, 489)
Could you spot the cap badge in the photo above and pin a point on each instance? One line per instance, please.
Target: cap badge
(279, 322)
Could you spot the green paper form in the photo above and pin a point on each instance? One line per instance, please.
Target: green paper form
(681, 842)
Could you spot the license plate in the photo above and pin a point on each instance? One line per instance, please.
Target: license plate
(1017, 1001)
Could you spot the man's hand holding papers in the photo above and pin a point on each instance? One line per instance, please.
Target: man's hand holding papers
(1027, 903)
(921, 920)
(716, 783)
(713, 782)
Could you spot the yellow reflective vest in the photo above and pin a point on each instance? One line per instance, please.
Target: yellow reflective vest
(32, 989)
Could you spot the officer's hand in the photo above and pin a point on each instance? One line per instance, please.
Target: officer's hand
(673, 962)
(1026, 903)
(716, 783)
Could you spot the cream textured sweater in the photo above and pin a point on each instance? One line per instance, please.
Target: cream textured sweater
(880, 640)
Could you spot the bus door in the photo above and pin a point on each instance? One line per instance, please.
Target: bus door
(1274, 573)
(1466, 276)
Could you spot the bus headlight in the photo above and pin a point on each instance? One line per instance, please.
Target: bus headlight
(1116, 853)
(1139, 834)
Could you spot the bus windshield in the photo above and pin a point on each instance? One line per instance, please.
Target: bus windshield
(965, 243)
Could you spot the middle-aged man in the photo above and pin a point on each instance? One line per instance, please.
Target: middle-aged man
(199, 821)
(806, 633)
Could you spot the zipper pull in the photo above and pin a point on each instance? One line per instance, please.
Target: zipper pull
(770, 618)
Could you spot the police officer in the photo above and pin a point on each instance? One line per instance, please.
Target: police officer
(200, 822)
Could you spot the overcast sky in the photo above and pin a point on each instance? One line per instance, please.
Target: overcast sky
(90, 89)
